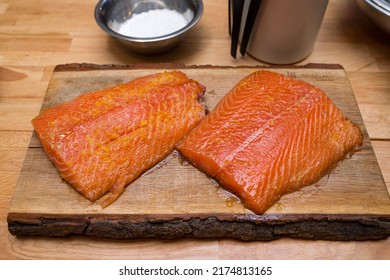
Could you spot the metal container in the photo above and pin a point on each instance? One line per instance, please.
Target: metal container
(285, 31)
(110, 14)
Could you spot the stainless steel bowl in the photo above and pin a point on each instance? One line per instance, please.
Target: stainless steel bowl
(378, 11)
(110, 14)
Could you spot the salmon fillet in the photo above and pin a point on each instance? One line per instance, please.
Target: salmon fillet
(270, 135)
(105, 139)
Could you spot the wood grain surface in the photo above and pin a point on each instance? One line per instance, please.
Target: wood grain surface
(36, 38)
(175, 200)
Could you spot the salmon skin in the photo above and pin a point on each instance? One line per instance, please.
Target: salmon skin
(270, 135)
(103, 140)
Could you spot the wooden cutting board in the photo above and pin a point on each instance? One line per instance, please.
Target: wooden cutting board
(175, 200)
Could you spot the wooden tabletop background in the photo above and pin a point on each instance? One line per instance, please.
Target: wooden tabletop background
(35, 37)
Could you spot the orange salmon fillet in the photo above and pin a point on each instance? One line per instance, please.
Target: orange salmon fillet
(270, 135)
(105, 139)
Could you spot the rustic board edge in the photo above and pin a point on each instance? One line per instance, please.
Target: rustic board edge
(248, 227)
(70, 67)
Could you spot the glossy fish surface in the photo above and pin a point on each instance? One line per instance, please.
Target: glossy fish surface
(103, 140)
(268, 136)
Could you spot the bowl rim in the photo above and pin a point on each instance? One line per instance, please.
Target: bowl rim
(380, 5)
(177, 33)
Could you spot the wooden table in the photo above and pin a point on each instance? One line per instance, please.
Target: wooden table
(35, 38)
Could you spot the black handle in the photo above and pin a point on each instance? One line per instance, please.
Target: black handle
(254, 7)
(237, 7)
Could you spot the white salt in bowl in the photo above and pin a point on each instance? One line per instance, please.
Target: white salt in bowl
(148, 27)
